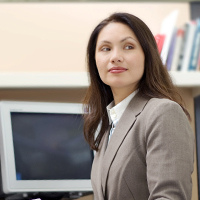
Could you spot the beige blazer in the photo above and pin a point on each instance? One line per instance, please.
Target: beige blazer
(149, 156)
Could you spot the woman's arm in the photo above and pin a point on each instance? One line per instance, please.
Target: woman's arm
(170, 148)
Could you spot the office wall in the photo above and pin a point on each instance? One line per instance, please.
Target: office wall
(53, 36)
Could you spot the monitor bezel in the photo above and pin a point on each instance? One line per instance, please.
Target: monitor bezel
(8, 172)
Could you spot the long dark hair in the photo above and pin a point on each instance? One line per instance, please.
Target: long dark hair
(155, 82)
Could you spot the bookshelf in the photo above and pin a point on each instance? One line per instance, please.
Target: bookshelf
(71, 86)
(43, 80)
(77, 79)
(186, 79)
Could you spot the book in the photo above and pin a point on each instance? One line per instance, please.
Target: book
(188, 45)
(167, 29)
(171, 50)
(198, 63)
(160, 38)
(183, 46)
(177, 48)
(195, 48)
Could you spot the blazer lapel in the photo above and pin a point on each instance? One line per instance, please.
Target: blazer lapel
(125, 123)
(96, 165)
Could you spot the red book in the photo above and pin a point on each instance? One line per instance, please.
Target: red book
(160, 38)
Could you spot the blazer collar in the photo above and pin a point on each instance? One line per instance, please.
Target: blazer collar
(127, 120)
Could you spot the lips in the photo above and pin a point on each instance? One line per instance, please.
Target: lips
(117, 69)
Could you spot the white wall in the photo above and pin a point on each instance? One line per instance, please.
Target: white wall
(53, 36)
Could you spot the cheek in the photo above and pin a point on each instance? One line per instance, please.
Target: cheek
(137, 62)
(142, 65)
(99, 67)
(100, 63)
(138, 66)
(141, 68)
(141, 62)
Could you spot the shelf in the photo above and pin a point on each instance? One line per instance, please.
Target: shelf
(43, 80)
(186, 79)
(76, 79)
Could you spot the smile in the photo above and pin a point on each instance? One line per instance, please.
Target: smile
(117, 69)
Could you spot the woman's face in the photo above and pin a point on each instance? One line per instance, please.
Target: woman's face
(119, 57)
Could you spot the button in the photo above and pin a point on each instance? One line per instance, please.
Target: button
(112, 111)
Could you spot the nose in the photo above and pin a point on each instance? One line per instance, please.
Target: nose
(116, 56)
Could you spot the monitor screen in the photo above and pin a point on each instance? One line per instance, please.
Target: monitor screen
(43, 147)
(49, 146)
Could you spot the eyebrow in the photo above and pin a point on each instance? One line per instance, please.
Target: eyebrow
(126, 38)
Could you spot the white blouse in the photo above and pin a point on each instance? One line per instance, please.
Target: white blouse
(115, 111)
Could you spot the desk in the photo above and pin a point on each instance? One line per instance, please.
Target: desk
(89, 197)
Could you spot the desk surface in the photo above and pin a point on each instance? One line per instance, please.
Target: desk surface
(89, 197)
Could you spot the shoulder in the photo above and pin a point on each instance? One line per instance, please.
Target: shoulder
(156, 102)
(156, 105)
(159, 110)
(165, 120)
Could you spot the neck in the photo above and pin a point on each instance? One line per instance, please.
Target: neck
(120, 95)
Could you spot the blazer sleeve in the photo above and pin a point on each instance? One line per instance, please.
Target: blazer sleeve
(170, 149)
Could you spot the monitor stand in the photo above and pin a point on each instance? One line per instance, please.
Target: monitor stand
(47, 196)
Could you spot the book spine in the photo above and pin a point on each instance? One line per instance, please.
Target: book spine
(160, 38)
(167, 28)
(188, 46)
(177, 50)
(198, 63)
(180, 59)
(171, 51)
(195, 49)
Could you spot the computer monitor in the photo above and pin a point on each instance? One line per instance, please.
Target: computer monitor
(42, 148)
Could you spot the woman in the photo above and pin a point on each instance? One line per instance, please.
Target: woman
(144, 146)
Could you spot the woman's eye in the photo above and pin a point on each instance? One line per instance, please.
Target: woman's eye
(105, 49)
(129, 47)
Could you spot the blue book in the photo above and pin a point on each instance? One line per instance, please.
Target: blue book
(195, 48)
(188, 45)
(171, 50)
(181, 55)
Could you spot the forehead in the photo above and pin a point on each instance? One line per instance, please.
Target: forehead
(115, 30)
